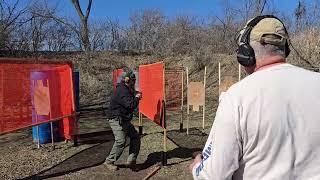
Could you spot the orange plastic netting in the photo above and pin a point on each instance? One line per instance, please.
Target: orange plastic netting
(173, 82)
(33, 91)
(152, 88)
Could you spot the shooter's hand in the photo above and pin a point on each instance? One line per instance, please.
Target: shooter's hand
(139, 95)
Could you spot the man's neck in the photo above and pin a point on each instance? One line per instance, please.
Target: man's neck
(268, 61)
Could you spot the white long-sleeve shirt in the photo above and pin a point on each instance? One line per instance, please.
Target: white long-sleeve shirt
(267, 126)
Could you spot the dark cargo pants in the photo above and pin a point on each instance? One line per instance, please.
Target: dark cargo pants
(120, 132)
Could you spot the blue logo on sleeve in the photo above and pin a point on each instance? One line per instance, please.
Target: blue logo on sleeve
(206, 154)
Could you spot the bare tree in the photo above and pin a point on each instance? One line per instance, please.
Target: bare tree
(37, 31)
(61, 33)
(84, 23)
(20, 38)
(11, 16)
(59, 38)
(247, 9)
(146, 30)
(98, 37)
(112, 30)
(300, 15)
(259, 6)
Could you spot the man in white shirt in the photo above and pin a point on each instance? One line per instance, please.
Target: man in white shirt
(267, 126)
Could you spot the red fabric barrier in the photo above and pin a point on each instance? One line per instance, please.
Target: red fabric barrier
(18, 96)
(67, 102)
(152, 88)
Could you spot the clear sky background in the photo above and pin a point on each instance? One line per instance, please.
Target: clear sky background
(122, 9)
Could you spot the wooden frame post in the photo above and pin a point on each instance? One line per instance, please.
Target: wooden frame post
(164, 122)
(2, 98)
(38, 132)
(76, 130)
(204, 105)
(188, 111)
(164, 161)
(140, 124)
(51, 123)
(36, 117)
(239, 75)
(181, 120)
(75, 133)
(219, 75)
(52, 136)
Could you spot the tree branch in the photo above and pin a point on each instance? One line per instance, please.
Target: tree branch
(263, 6)
(88, 9)
(78, 8)
(58, 20)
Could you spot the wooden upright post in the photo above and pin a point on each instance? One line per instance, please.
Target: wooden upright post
(38, 132)
(164, 140)
(140, 124)
(181, 120)
(75, 133)
(219, 71)
(51, 123)
(239, 75)
(164, 122)
(188, 111)
(2, 98)
(51, 130)
(204, 105)
(36, 117)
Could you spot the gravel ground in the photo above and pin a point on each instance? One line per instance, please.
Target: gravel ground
(21, 159)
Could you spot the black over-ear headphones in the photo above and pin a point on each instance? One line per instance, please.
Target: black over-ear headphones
(245, 53)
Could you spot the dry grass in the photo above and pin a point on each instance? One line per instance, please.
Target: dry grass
(307, 44)
(226, 83)
(96, 87)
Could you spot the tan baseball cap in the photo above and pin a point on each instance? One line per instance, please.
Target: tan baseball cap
(269, 31)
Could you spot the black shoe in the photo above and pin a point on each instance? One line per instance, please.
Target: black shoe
(131, 163)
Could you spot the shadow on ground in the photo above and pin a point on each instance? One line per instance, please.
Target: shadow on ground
(90, 157)
(96, 155)
(187, 145)
(195, 139)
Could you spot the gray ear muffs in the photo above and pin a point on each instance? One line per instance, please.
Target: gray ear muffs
(245, 53)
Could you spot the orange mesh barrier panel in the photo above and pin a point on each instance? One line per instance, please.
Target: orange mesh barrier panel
(196, 95)
(31, 91)
(115, 76)
(152, 88)
(173, 81)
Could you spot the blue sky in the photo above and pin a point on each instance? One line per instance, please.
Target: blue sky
(122, 9)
